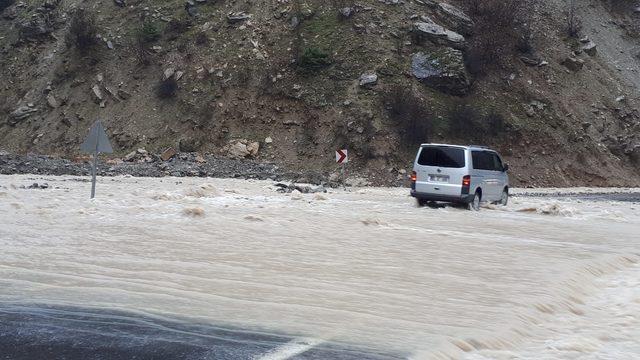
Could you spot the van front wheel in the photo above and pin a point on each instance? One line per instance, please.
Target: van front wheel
(474, 205)
(504, 199)
(421, 202)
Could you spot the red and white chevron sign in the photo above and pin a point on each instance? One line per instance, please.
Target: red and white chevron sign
(342, 156)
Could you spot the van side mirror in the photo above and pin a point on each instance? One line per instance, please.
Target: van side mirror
(505, 167)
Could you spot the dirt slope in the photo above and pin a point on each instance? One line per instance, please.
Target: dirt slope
(264, 79)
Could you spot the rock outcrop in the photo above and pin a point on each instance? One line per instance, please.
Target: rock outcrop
(443, 70)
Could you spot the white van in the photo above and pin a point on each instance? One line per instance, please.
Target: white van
(459, 174)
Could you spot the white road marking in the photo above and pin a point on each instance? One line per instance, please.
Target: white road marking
(291, 349)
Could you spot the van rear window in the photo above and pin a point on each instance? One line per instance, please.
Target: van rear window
(442, 156)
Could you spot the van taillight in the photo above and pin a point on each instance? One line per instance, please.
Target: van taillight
(466, 184)
(414, 176)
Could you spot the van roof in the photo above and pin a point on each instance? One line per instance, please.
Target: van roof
(479, 147)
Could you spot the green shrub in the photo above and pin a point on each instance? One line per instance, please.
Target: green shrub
(149, 32)
(314, 59)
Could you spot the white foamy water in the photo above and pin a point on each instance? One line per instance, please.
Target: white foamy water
(540, 279)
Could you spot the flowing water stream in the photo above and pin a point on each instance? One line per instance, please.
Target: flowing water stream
(305, 276)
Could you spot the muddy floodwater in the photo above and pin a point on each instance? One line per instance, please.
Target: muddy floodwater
(238, 270)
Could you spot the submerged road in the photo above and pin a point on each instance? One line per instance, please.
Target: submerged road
(193, 268)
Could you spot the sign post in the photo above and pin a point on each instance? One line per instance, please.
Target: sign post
(342, 158)
(95, 143)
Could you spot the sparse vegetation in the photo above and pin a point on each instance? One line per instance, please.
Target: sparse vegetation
(5, 4)
(574, 23)
(470, 122)
(149, 32)
(142, 55)
(82, 31)
(175, 28)
(499, 25)
(409, 114)
(168, 88)
(314, 59)
(464, 120)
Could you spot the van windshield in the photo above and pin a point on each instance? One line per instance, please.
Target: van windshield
(442, 156)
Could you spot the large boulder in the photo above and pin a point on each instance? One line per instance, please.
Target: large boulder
(455, 18)
(443, 70)
(438, 34)
(240, 149)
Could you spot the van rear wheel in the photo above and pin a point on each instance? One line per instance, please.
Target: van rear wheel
(474, 205)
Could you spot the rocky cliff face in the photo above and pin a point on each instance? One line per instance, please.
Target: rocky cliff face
(291, 81)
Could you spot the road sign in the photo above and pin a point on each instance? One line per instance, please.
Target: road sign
(342, 156)
(96, 142)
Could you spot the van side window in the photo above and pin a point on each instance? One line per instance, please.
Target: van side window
(482, 160)
(497, 163)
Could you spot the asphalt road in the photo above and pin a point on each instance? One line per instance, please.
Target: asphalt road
(45, 332)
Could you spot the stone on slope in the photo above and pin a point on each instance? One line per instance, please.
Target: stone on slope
(368, 79)
(439, 34)
(455, 18)
(443, 69)
(21, 113)
(573, 64)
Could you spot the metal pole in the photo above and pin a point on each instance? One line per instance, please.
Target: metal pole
(344, 176)
(93, 174)
(94, 169)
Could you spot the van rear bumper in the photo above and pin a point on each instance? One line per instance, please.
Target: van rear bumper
(463, 199)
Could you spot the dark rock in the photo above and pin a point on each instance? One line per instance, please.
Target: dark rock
(590, 48)
(37, 186)
(21, 113)
(443, 70)
(49, 5)
(573, 63)
(347, 12)
(191, 9)
(123, 94)
(52, 101)
(37, 26)
(289, 188)
(236, 17)
(529, 61)
(430, 3)
(120, 3)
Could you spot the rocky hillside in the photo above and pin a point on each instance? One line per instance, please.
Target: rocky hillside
(553, 86)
